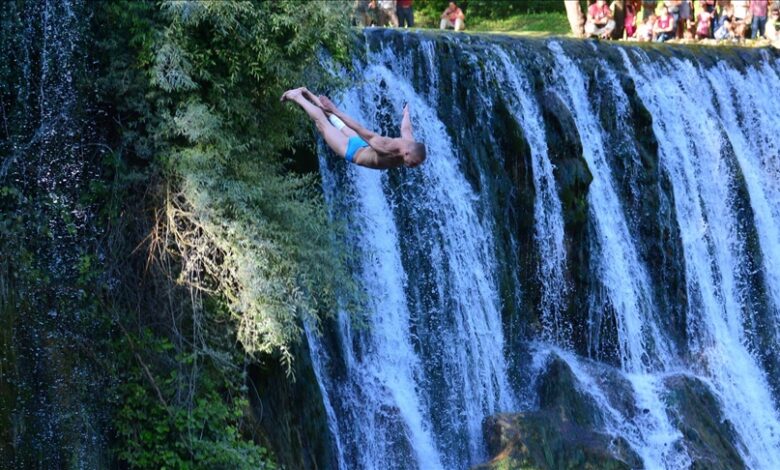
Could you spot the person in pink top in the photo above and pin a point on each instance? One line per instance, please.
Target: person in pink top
(664, 26)
(600, 22)
(629, 24)
(703, 25)
(759, 9)
(452, 17)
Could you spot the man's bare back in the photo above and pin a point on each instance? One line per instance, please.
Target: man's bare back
(358, 145)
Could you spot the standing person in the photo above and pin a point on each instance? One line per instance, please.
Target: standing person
(759, 9)
(362, 17)
(674, 10)
(686, 15)
(709, 7)
(704, 25)
(600, 22)
(387, 15)
(405, 13)
(630, 19)
(648, 8)
(664, 26)
(452, 17)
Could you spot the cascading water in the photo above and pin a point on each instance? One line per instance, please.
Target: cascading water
(605, 206)
(694, 149)
(49, 148)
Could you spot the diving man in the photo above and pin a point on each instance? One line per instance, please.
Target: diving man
(358, 145)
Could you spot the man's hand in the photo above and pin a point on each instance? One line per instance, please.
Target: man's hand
(327, 105)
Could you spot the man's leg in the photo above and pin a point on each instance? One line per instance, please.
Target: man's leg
(608, 28)
(393, 18)
(590, 29)
(335, 139)
(459, 25)
(443, 23)
(335, 121)
(399, 12)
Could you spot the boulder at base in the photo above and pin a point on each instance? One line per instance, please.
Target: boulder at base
(709, 436)
(561, 435)
(541, 440)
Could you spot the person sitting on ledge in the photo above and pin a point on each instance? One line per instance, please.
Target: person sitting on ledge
(358, 145)
(452, 17)
(664, 26)
(645, 32)
(600, 22)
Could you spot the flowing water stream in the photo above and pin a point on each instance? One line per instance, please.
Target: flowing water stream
(487, 236)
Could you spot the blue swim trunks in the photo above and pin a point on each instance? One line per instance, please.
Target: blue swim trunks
(355, 143)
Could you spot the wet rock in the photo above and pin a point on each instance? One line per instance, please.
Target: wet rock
(542, 440)
(562, 434)
(708, 436)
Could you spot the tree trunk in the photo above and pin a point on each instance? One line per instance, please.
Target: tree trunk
(576, 19)
(619, 16)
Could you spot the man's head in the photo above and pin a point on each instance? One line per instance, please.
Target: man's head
(414, 153)
(453, 6)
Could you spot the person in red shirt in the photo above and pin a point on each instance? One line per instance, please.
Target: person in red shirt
(759, 9)
(405, 13)
(664, 26)
(600, 22)
(452, 17)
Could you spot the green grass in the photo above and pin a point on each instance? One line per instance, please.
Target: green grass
(541, 24)
(531, 24)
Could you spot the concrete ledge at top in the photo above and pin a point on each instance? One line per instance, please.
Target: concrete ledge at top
(583, 47)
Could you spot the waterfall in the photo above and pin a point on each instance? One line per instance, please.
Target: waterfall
(611, 207)
(703, 183)
(48, 156)
(548, 214)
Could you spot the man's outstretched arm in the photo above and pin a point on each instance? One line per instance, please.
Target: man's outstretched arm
(406, 125)
(328, 106)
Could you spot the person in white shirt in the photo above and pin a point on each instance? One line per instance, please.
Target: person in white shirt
(387, 16)
(741, 12)
(452, 17)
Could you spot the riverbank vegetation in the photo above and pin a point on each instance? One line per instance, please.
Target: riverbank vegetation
(236, 223)
(209, 243)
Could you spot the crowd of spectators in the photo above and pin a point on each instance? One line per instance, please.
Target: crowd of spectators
(704, 20)
(641, 20)
(400, 13)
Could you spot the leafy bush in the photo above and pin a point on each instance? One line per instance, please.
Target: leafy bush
(195, 88)
(201, 433)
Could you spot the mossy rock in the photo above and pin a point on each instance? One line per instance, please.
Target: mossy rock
(562, 434)
(542, 440)
(708, 435)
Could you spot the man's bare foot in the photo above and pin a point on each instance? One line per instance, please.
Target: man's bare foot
(292, 95)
